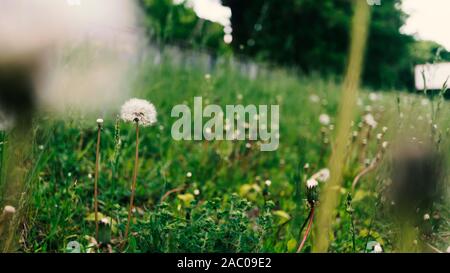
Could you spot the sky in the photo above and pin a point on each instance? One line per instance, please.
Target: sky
(428, 19)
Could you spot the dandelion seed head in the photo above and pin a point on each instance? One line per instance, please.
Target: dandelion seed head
(324, 119)
(370, 120)
(311, 183)
(138, 110)
(99, 121)
(377, 248)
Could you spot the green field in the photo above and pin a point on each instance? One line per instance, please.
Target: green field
(200, 196)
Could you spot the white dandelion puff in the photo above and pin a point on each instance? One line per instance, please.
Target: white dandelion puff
(324, 119)
(377, 248)
(99, 121)
(138, 110)
(370, 120)
(311, 183)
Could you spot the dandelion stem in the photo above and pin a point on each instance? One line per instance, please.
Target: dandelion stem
(133, 186)
(97, 159)
(308, 230)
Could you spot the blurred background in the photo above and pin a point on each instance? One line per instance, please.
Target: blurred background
(309, 36)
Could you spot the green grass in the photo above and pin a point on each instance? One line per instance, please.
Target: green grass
(234, 211)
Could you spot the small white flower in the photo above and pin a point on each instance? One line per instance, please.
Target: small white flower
(324, 119)
(377, 248)
(426, 217)
(311, 183)
(240, 97)
(196, 192)
(137, 110)
(385, 144)
(379, 136)
(188, 174)
(268, 182)
(306, 166)
(41, 147)
(370, 120)
(322, 175)
(207, 76)
(90, 176)
(385, 129)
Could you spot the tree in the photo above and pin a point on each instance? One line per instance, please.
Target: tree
(171, 23)
(314, 36)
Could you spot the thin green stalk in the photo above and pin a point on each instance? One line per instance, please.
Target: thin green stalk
(133, 186)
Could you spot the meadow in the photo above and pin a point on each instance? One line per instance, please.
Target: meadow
(226, 196)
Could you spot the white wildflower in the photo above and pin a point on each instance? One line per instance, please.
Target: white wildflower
(385, 144)
(188, 174)
(268, 183)
(99, 121)
(426, 217)
(311, 183)
(324, 119)
(370, 120)
(377, 248)
(196, 192)
(137, 110)
(207, 76)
